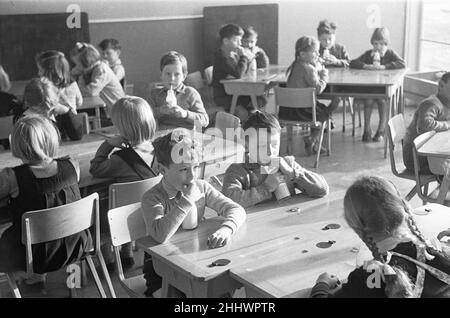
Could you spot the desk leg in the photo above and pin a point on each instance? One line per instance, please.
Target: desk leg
(98, 118)
(233, 104)
(254, 101)
(390, 105)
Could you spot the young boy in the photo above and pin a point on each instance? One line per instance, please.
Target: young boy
(249, 42)
(250, 183)
(111, 52)
(232, 61)
(186, 108)
(167, 205)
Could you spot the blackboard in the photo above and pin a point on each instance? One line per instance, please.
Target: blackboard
(23, 36)
(264, 18)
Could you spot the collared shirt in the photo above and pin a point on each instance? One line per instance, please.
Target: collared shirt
(164, 213)
(187, 98)
(391, 60)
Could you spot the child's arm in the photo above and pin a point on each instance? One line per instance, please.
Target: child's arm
(196, 112)
(315, 80)
(234, 189)
(158, 110)
(79, 96)
(262, 60)
(99, 81)
(427, 119)
(236, 69)
(361, 61)
(396, 62)
(104, 165)
(162, 222)
(8, 184)
(310, 183)
(119, 71)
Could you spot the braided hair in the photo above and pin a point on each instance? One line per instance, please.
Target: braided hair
(304, 44)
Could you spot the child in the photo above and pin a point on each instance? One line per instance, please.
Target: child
(249, 42)
(111, 53)
(247, 184)
(305, 71)
(77, 69)
(375, 210)
(379, 58)
(98, 78)
(232, 61)
(41, 182)
(187, 110)
(166, 206)
(9, 104)
(134, 161)
(331, 53)
(54, 66)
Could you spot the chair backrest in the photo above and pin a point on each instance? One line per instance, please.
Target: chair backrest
(85, 120)
(226, 120)
(55, 223)
(129, 89)
(209, 74)
(126, 224)
(130, 192)
(396, 132)
(195, 80)
(296, 98)
(6, 125)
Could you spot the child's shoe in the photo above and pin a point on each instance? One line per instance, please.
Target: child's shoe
(309, 144)
(127, 262)
(378, 136)
(367, 136)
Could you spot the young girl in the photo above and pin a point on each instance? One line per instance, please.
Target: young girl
(186, 110)
(98, 78)
(41, 182)
(378, 58)
(9, 104)
(305, 72)
(54, 66)
(249, 42)
(375, 210)
(134, 160)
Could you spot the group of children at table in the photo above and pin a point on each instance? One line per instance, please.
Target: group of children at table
(45, 181)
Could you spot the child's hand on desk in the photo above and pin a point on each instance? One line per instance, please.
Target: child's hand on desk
(179, 112)
(272, 181)
(330, 60)
(241, 51)
(331, 280)
(287, 166)
(323, 72)
(220, 237)
(118, 142)
(372, 67)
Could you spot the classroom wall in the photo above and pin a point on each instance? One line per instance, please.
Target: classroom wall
(177, 24)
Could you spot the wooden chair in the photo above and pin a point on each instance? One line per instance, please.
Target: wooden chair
(301, 98)
(6, 125)
(126, 194)
(437, 168)
(209, 74)
(129, 89)
(396, 131)
(55, 223)
(195, 80)
(85, 120)
(126, 225)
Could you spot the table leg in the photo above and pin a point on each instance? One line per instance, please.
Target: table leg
(98, 119)
(233, 104)
(344, 110)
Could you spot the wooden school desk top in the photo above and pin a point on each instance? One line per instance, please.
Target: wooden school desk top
(437, 146)
(290, 271)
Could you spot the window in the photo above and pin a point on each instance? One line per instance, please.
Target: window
(435, 39)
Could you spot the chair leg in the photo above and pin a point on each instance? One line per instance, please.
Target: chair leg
(289, 133)
(344, 113)
(329, 136)
(359, 114)
(411, 194)
(352, 112)
(425, 191)
(94, 273)
(106, 274)
(84, 280)
(322, 130)
(13, 285)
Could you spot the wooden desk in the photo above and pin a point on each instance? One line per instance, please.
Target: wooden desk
(287, 272)
(96, 103)
(183, 261)
(217, 156)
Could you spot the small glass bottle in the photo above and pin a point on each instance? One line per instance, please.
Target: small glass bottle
(171, 99)
(376, 58)
(191, 219)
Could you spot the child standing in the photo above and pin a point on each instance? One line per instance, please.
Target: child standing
(186, 107)
(248, 183)
(41, 182)
(111, 53)
(306, 71)
(378, 58)
(232, 61)
(249, 42)
(54, 66)
(98, 78)
(375, 210)
(9, 104)
(134, 161)
(179, 197)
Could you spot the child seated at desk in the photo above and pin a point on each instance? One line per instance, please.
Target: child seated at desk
(9, 104)
(232, 61)
(180, 199)
(175, 104)
(97, 78)
(407, 261)
(41, 182)
(250, 183)
(307, 71)
(378, 58)
(433, 113)
(54, 66)
(133, 118)
(249, 41)
(111, 53)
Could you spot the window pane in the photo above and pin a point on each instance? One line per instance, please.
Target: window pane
(434, 56)
(436, 21)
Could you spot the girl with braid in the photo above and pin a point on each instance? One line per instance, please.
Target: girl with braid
(410, 267)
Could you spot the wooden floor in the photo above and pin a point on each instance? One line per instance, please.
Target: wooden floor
(349, 159)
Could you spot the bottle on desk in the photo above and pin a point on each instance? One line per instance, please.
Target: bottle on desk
(171, 99)
(190, 222)
(376, 58)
